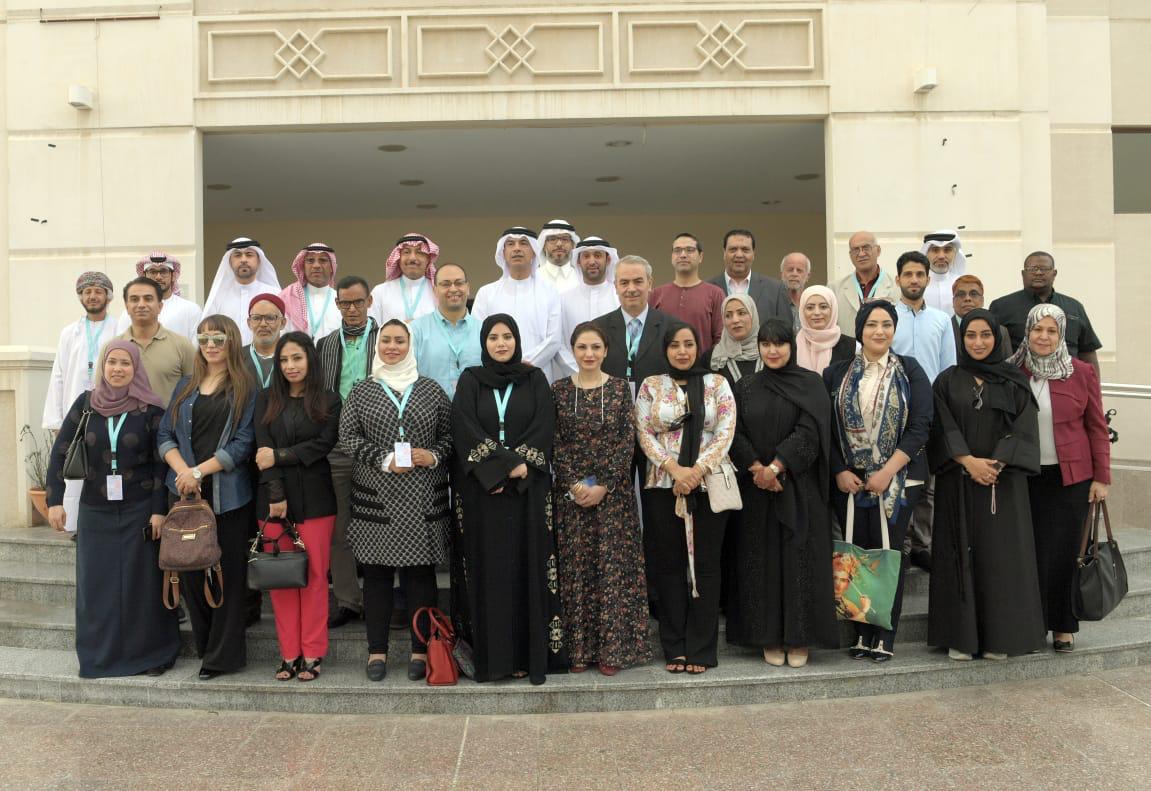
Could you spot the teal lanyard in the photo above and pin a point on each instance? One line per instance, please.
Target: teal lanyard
(93, 346)
(359, 349)
(455, 349)
(859, 289)
(409, 306)
(632, 345)
(315, 325)
(264, 380)
(114, 437)
(401, 404)
(502, 408)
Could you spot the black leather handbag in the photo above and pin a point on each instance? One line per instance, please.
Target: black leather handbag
(76, 458)
(274, 569)
(1100, 580)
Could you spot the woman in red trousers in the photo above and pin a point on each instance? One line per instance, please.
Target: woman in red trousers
(297, 424)
(1075, 459)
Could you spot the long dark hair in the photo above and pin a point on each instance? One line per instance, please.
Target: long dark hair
(315, 402)
(238, 382)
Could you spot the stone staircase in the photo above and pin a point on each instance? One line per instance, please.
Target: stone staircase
(37, 660)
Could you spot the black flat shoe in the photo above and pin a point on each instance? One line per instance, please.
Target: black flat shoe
(1063, 646)
(417, 670)
(343, 615)
(377, 670)
(208, 675)
(879, 654)
(859, 650)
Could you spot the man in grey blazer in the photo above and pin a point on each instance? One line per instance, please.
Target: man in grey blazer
(769, 294)
(635, 351)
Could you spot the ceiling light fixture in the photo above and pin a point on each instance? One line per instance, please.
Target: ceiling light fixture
(618, 143)
(770, 202)
(598, 203)
(253, 209)
(218, 187)
(607, 179)
(411, 183)
(807, 177)
(427, 205)
(392, 148)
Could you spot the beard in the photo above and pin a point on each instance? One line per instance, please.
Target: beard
(94, 310)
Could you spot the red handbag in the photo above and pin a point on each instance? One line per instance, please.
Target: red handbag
(442, 668)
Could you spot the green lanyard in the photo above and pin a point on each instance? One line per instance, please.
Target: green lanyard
(456, 350)
(264, 380)
(315, 325)
(401, 404)
(359, 348)
(93, 346)
(502, 408)
(409, 306)
(114, 437)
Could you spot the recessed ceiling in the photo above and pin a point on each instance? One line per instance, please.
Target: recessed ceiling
(714, 167)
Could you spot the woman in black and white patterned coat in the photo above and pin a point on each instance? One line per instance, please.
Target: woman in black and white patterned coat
(396, 428)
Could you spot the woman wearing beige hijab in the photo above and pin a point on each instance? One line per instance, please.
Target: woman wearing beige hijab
(819, 341)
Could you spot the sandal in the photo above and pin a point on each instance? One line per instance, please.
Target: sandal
(288, 669)
(677, 665)
(696, 670)
(520, 674)
(311, 668)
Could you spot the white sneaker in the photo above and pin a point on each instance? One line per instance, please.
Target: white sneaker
(993, 655)
(958, 656)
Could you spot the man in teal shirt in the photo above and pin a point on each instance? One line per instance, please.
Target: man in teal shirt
(447, 340)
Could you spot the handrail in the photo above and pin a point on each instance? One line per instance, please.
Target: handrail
(1119, 390)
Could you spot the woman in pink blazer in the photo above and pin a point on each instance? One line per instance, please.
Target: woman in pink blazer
(1075, 454)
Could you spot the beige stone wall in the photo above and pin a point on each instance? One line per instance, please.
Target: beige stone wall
(363, 246)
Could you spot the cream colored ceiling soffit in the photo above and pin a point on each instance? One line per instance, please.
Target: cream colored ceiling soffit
(512, 50)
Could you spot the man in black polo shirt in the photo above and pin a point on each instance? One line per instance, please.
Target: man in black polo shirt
(1038, 286)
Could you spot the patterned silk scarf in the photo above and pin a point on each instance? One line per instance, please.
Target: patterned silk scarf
(869, 450)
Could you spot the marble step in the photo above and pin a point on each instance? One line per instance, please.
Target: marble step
(50, 675)
(34, 624)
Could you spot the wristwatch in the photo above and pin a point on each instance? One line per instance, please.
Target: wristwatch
(774, 469)
(196, 473)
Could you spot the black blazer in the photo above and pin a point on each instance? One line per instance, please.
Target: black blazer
(769, 295)
(649, 357)
(921, 410)
(301, 474)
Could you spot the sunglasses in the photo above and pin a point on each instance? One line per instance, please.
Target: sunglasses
(215, 340)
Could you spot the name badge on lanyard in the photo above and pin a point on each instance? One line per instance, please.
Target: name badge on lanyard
(410, 306)
(115, 482)
(502, 409)
(401, 449)
(93, 340)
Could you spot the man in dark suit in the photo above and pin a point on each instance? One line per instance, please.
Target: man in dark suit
(769, 294)
(635, 331)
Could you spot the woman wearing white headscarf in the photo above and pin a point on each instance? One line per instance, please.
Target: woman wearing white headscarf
(396, 428)
(737, 353)
(1074, 458)
(819, 341)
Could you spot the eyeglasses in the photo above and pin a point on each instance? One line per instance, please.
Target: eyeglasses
(452, 284)
(684, 250)
(348, 304)
(863, 248)
(264, 319)
(215, 340)
(968, 294)
(1037, 270)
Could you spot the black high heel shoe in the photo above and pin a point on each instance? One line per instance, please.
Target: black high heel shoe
(291, 668)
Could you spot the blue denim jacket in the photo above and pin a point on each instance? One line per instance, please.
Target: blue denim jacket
(231, 488)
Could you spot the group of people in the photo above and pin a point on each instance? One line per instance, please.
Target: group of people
(569, 445)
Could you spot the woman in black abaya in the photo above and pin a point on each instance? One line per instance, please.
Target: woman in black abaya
(984, 444)
(506, 588)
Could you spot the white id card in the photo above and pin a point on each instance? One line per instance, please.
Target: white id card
(115, 485)
(403, 454)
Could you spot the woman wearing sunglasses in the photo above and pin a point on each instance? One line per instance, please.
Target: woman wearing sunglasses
(207, 439)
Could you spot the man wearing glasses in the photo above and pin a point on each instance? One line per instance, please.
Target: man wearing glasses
(967, 295)
(1039, 286)
(688, 298)
(867, 282)
(346, 357)
(447, 340)
(266, 321)
(166, 355)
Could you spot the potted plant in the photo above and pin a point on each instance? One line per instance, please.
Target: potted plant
(36, 465)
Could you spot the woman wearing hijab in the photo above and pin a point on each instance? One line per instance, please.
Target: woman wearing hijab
(396, 429)
(781, 600)
(984, 444)
(597, 523)
(737, 353)
(122, 628)
(506, 588)
(297, 422)
(881, 407)
(820, 341)
(1074, 458)
(685, 421)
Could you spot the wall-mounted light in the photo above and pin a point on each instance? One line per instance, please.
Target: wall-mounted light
(80, 97)
(925, 79)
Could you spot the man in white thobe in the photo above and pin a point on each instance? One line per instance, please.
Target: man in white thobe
(410, 275)
(243, 273)
(310, 302)
(593, 297)
(556, 241)
(948, 263)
